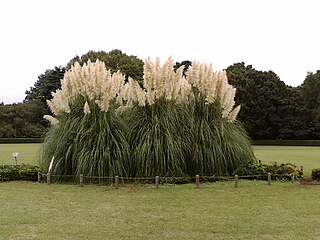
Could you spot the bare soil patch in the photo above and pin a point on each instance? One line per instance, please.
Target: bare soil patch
(308, 181)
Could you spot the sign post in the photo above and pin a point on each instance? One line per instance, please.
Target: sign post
(15, 155)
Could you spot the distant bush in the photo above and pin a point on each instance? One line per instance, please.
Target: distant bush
(259, 170)
(21, 140)
(19, 172)
(315, 174)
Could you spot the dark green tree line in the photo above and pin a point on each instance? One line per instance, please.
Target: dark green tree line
(22, 120)
(269, 108)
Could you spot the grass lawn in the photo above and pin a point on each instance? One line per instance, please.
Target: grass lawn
(308, 157)
(28, 153)
(214, 211)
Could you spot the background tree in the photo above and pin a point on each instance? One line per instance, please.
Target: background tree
(262, 97)
(310, 91)
(36, 97)
(47, 83)
(186, 64)
(310, 94)
(297, 119)
(115, 60)
(272, 110)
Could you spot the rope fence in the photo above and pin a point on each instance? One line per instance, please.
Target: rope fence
(156, 180)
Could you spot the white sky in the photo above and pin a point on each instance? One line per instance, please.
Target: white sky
(278, 35)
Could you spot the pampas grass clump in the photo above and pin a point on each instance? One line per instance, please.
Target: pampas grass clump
(172, 126)
(158, 129)
(219, 142)
(88, 136)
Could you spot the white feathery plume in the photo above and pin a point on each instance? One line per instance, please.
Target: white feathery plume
(131, 93)
(214, 86)
(137, 92)
(92, 81)
(233, 114)
(51, 164)
(185, 91)
(51, 119)
(163, 81)
(222, 81)
(86, 108)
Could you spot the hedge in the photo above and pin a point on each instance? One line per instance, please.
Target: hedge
(282, 171)
(21, 140)
(19, 172)
(288, 142)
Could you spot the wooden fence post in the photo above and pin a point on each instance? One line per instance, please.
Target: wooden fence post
(48, 178)
(81, 180)
(197, 181)
(116, 182)
(236, 181)
(39, 177)
(293, 177)
(157, 181)
(269, 179)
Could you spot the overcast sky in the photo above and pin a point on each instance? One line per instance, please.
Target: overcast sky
(278, 35)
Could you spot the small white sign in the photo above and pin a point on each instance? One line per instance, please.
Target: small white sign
(15, 154)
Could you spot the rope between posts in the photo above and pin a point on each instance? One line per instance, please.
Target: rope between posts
(197, 178)
(257, 176)
(170, 178)
(46, 174)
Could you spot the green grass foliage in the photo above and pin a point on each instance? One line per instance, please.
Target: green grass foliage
(91, 144)
(218, 147)
(159, 135)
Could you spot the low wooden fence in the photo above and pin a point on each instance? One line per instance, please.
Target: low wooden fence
(47, 177)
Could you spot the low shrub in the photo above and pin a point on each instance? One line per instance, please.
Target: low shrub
(289, 168)
(19, 172)
(315, 174)
(254, 170)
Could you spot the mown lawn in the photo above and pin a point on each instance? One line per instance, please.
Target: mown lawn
(28, 153)
(214, 211)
